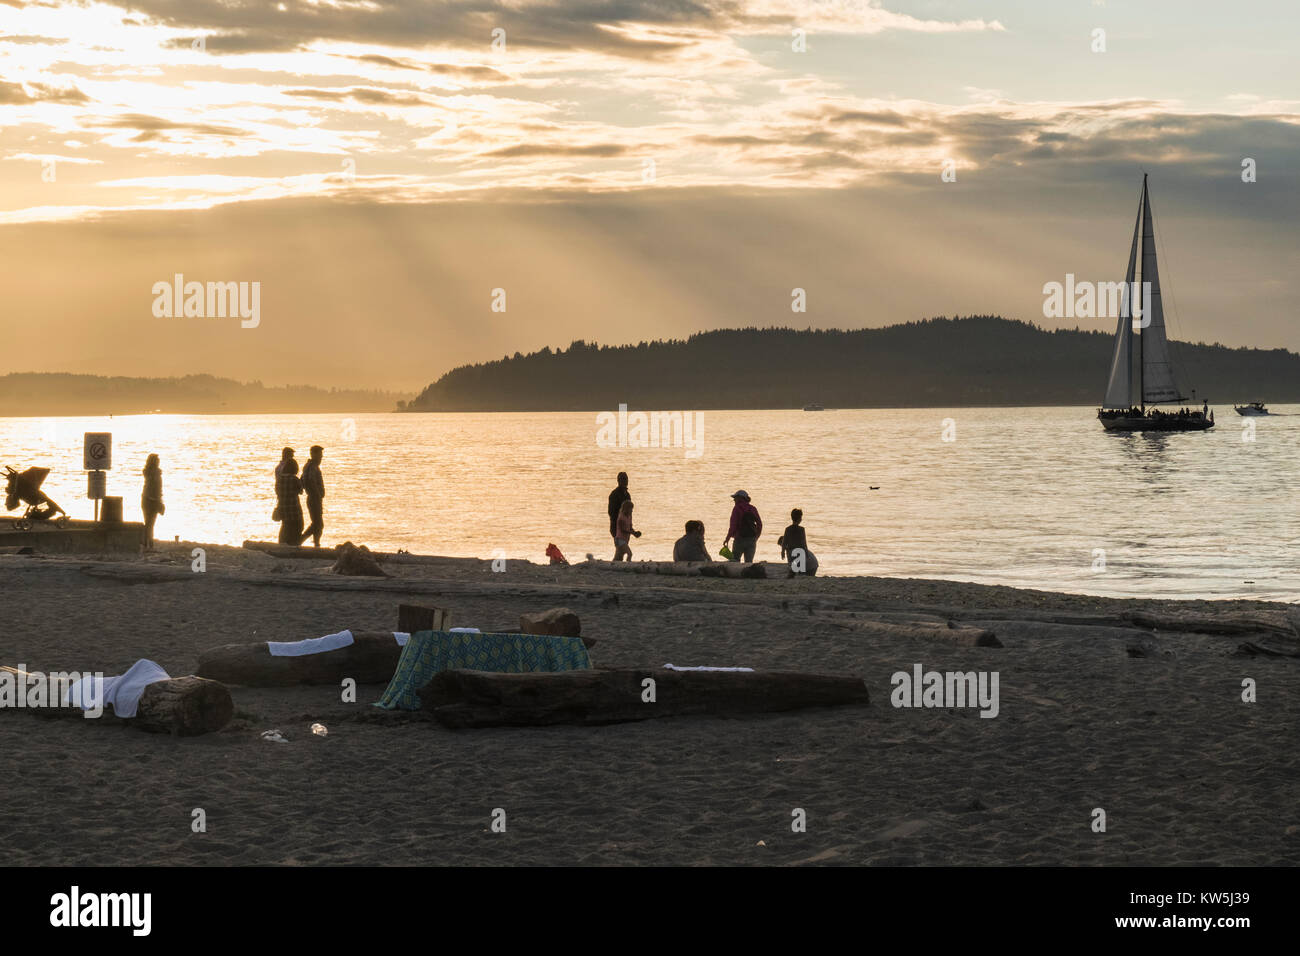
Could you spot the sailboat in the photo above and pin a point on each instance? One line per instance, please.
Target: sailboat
(1157, 381)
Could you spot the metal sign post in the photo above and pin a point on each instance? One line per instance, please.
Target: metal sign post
(96, 488)
(97, 458)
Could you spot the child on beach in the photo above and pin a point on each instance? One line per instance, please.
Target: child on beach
(624, 532)
(796, 539)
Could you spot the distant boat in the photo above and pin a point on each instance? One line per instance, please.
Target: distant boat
(1251, 408)
(814, 407)
(1157, 380)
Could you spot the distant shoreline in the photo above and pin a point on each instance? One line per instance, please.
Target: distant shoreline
(1227, 405)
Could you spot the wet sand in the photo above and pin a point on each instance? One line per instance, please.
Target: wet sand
(1150, 727)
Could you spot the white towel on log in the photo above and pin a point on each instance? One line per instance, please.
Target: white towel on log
(674, 667)
(313, 645)
(122, 693)
(464, 630)
(402, 637)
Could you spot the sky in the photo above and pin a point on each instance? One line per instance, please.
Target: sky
(417, 184)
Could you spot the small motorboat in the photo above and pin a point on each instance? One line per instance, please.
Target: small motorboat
(1251, 408)
(814, 407)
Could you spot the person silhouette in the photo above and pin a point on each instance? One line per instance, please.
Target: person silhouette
(151, 499)
(288, 510)
(314, 485)
(616, 499)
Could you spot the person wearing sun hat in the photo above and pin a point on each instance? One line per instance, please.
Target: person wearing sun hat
(745, 528)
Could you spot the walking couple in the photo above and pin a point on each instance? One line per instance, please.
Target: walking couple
(288, 486)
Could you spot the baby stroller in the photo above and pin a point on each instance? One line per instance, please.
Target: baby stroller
(25, 488)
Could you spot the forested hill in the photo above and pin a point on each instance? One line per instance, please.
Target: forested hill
(980, 360)
(58, 393)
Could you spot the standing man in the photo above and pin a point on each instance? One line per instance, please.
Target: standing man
(616, 499)
(745, 527)
(314, 485)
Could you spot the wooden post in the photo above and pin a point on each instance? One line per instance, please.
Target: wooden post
(413, 617)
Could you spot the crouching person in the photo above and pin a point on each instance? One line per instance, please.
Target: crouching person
(794, 546)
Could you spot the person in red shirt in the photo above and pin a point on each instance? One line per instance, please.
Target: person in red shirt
(745, 528)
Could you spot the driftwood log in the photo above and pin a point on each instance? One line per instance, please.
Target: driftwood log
(371, 658)
(329, 554)
(182, 706)
(292, 551)
(947, 631)
(680, 568)
(463, 698)
(715, 569)
(1228, 625)
(737, 569)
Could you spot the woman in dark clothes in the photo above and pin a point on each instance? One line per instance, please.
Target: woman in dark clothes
(288, 486)
(151, 500)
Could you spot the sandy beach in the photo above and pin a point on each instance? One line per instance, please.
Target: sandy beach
(1097, 713)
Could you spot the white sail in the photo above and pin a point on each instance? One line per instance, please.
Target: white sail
(1119, 389)
(1159, 384)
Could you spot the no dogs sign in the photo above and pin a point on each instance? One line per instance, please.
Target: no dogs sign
(98, 452)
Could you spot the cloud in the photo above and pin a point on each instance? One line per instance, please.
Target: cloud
(603, 150)
(149, 128)
(21, 94)
(362, 94)
(30, 40)
(629, 28)
(54, 158)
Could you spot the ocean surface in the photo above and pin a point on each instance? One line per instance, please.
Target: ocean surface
(1030, 497)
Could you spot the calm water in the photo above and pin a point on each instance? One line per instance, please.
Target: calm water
(1021, 496)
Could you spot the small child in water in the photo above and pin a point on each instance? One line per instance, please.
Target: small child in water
(623, 532)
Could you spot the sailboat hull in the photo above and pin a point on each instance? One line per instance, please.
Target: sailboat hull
(1141, 423)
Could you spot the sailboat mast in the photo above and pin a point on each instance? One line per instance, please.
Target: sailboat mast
(1142, 385)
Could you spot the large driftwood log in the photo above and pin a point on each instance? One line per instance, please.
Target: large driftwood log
(737, 569)
(182, 706)
(371, 658)
(1234, 624)
(681, 568)
(329, 554)
(947, 631)
(715, 569)
(461, 698)
(292, 551)
(185, 706)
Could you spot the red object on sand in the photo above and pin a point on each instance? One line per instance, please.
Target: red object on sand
(553, 553)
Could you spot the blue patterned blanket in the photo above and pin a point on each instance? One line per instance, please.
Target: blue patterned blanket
(429, 652)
